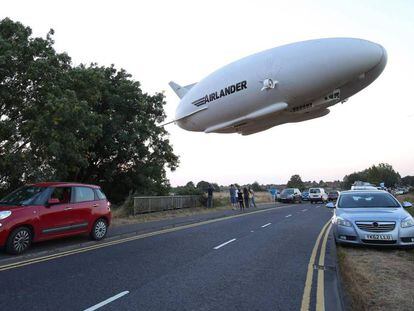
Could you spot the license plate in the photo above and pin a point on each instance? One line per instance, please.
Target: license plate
(380, 237)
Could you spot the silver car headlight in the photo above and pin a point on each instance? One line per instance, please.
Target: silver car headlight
(407, 222)
(5, 214)
(343, 222)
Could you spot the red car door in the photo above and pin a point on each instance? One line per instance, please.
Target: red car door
(54, 220)
(83, 199)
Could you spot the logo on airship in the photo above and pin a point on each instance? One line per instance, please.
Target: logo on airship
(219, 94)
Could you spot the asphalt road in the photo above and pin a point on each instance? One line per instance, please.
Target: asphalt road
(255, 262)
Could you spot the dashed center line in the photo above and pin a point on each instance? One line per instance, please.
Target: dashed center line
(304, 210)
(266, 225)
(224, 244)
(287, 216)
(105, 302)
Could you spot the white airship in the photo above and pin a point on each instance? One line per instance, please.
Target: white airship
(290, 83)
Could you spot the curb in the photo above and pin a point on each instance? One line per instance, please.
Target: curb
(339, 287)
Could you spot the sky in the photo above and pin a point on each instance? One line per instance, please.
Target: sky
(160, 41)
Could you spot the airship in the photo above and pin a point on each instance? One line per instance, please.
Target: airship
(287, 84)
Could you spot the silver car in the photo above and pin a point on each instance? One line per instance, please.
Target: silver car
(371, 217)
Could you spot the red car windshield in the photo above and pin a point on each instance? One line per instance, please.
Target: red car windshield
(23, 196)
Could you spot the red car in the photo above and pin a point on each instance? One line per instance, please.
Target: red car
(52, 210)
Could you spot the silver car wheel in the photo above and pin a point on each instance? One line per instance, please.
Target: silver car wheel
(21, 241)
(100, 229)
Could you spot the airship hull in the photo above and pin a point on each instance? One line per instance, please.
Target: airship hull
(291, 83)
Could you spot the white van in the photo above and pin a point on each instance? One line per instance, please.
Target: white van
(317, 195)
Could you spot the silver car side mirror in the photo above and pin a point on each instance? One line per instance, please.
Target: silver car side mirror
(406, 204)
(330, 205)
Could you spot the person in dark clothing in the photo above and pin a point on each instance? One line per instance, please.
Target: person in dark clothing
(240, 199)
(246, 195)
(210, 190)
(233, 197)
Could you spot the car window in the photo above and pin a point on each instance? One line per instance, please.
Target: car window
(62, 193)
(363, 200)
(24, 196)
(84, 194)
(314, 190)
(100, 194)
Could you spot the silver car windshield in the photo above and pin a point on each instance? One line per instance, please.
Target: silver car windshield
(367, 200)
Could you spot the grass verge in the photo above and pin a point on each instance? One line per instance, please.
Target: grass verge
(377, 279)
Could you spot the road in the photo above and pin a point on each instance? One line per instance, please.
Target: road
(257, 261)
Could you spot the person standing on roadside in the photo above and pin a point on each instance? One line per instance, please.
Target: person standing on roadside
(252, 201)
(246, 195)
(240, 199)
(210, 190)
(233, 198)
(273, 193)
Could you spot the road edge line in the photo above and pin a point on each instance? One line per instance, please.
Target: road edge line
(309, 275)
(320, 287)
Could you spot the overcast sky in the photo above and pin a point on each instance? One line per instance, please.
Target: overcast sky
(159, 41)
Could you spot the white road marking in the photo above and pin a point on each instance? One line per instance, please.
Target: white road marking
(266, 225)
(304, 210)
(287, 216)
(105, 302)
(251, 230)
(224, 244)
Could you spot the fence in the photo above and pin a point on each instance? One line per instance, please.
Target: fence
(163, 203)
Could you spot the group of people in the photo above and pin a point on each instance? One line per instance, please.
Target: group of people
(241, 198)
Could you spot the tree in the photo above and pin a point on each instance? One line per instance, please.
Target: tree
(188, 189)
(190, 184)
(383, 172)
(256, 187)
(203, 185)
(85, 123)
(375, 174)
(295, 182)
(408, 180)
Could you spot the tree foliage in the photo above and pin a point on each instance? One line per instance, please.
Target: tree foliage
(295, 182)
(256, 187)
(188, 189)
(375, 174)
(408, 180)
(81, 123)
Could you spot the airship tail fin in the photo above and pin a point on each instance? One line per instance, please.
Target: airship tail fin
(180, 90)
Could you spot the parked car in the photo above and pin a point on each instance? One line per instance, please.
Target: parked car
(291, 195)
(52, 210)
(317, 195)
(305, 196)
(371, 217)
(363, 188)
(333, 195)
